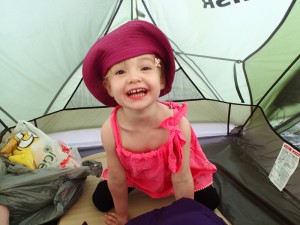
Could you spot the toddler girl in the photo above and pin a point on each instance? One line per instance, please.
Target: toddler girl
(149, 144)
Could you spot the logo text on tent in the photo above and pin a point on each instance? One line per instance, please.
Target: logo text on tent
(219, 3)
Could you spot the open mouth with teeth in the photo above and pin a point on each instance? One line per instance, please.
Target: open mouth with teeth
(137, 93)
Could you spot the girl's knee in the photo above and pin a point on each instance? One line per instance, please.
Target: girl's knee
(102, 198)
(104, 205)
(208, 197)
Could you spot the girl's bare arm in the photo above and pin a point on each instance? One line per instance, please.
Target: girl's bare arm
(183, 181)
(116, 175)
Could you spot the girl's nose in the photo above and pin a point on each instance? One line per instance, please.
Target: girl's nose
(134, 77)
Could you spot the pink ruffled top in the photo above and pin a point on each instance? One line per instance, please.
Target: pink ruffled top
(151, 171)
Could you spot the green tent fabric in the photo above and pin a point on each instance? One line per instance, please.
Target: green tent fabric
(237, 67)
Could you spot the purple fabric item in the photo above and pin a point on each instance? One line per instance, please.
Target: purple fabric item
(181, 212)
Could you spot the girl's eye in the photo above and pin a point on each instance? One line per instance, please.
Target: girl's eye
(146, 68)
(120, 72)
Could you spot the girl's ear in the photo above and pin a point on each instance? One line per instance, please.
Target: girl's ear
(162, 81)
(109, 91)
(107, 86)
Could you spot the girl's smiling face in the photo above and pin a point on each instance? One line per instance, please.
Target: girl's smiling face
(135, 82)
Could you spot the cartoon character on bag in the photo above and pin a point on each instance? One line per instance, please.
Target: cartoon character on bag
(18, 149)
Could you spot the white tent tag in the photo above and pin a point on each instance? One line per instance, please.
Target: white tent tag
(285, 165)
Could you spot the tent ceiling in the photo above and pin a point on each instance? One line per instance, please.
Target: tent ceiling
(239, 52)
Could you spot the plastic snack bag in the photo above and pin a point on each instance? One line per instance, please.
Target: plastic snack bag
(31, 147)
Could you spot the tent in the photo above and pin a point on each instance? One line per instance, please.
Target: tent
(238, 69)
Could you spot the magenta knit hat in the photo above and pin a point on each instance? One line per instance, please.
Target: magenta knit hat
(132, 39)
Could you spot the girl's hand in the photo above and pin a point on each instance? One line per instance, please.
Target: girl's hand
(111, 218)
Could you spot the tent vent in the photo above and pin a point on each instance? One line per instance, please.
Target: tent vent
(237, 131)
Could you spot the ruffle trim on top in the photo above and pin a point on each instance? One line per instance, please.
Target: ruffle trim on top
(200, 189)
